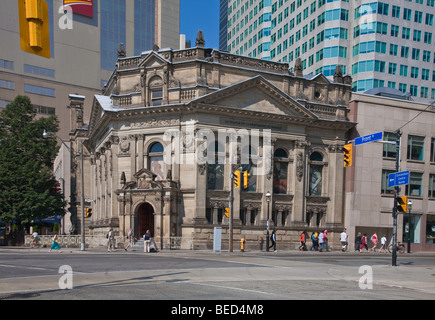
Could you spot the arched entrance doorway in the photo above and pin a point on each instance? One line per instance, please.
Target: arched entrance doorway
(145, 219)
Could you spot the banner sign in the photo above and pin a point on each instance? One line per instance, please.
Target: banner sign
(83, 7)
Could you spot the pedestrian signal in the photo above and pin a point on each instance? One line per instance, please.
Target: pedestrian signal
(237, 179)
(402, 204)
(34, 27)
(347, 149)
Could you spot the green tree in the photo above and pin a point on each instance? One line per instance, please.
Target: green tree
(28, 189)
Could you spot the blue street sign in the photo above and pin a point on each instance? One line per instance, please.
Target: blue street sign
(368, 138)
(398, 178)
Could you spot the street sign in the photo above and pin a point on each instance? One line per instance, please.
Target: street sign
(368, 138)
(398, 178)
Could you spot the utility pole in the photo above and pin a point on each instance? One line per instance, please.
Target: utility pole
(396, 193)
(231, 199)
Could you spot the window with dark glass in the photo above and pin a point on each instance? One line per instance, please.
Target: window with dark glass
(389, 150)
(385, 189)
(415, 183)
(415, 148)
(250, 168)
(316, 168)
(280, 169)
(215, 171)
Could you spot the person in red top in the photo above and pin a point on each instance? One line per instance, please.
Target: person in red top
(375, 241)
(302, 246)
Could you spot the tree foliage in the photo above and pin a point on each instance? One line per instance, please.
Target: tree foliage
(28, 189)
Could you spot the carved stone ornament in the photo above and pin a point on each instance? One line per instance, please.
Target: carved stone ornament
(218, 203)
(252, 205)
(124, 145)
(316, 209)
(202, 168)
(300, 166)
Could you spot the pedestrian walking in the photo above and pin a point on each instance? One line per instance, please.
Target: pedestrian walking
(130, 240)
(110, 241)
(374, 240)
(314, 240)
(383, 244)
(273, 240)
(54, 244)
(364, 243)
(343, 240)
(35, 239)
(325, 240)
(147, 241)
(321, 241)
(302, 246)
(358, 240)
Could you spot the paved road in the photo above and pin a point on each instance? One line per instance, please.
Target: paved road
(200, 275)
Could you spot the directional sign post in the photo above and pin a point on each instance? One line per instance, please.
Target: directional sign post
(368, 138)
(398, 178)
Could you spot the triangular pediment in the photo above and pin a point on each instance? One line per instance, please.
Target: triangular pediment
(145, 174)
(153, 60)
(146, 179)
(257, 95)
(321, 79)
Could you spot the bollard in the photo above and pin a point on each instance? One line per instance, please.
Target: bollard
(242, 245)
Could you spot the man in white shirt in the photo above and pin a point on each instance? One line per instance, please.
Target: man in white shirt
(320, 241)
(343, 240)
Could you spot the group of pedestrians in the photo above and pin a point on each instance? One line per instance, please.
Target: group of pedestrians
(361, 242)
(131, 240)
(36, 242)
(319, 241)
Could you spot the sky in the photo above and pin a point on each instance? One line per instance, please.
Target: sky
(200, 15)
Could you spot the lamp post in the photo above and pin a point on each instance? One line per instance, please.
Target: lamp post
(46, 135)
(267, 230)
(409, 225)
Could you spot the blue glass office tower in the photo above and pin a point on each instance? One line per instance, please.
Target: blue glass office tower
(379, 43)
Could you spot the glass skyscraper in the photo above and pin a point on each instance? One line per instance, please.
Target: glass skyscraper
(380, 44)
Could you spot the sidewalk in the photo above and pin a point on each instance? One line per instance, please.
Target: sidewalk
(103, 249)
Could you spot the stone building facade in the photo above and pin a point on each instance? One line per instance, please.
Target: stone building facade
(164, 111)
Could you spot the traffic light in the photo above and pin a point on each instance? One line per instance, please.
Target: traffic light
(34, 27)
(347, 149)
(402, 204)
(227, 212)
(88, 212)
(245, 179)
(237, 179)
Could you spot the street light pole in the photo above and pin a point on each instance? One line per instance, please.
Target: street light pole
(396, 193)
(267, 226)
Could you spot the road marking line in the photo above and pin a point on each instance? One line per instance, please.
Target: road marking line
(225, 287)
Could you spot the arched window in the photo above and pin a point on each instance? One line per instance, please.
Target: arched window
(215, 172)
(156, 163)
(316, 168)
(280, 170)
